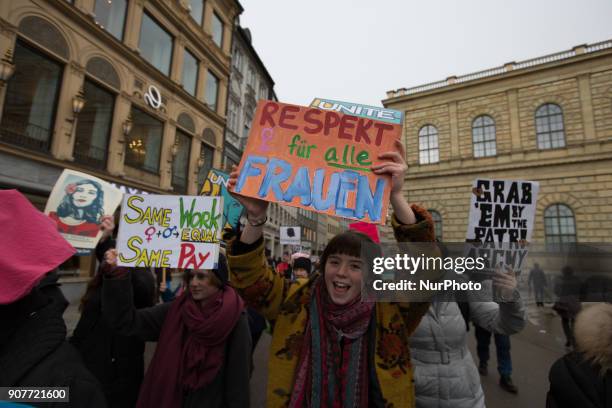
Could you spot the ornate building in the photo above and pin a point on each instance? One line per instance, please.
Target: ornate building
(131, 91)
(548, 119)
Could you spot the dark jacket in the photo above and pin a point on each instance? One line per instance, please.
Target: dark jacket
(230, 388)
(37, 355)
(117, 361)
(575, 382)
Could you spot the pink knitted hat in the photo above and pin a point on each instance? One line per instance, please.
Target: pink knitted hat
(369, 229)
(30, 246)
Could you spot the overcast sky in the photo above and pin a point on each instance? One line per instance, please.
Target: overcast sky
(357, 50)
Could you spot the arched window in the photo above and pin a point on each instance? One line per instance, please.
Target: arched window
(437, 219)
(559, 225)
(483, 136)
(549, 126)
(428, 145)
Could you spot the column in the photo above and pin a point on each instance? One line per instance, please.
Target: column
(586, 105)
(515, 128)
(201, 86)
(192, 173)
(222, 97)
(165, 167)
(178, 53)
(454, 129)
(208, 12)
(7, 41)
(62, 143)
(117, 142)
(227, 39)
(132, 23)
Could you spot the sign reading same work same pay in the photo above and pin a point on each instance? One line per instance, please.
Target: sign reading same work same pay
(318, 160)
(170, 231)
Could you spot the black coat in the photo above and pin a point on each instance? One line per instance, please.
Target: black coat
(576, 383)
(37, 355)
(117, 361)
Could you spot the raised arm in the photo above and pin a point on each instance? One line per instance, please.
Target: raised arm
(259, 285)
(118, 303)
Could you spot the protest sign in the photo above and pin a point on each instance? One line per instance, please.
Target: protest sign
(501, 221)
(290, 235)
(77, 204)
(215, 185)
(317, 160)
(361, 111)
(169, 231)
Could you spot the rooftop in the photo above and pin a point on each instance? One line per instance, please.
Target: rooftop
(511, 66)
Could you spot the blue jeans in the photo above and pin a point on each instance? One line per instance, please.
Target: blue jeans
(502, 346)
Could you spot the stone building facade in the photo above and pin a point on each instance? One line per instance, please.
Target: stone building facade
(548, 119)
(130, 91)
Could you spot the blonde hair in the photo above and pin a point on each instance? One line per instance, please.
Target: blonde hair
(593, 333)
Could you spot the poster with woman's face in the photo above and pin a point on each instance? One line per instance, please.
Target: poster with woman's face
(77, 204)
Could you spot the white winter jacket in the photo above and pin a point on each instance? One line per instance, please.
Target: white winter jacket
(444, 371)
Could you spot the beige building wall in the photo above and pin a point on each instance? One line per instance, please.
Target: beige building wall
(578, 175)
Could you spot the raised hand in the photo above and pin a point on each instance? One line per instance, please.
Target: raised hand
(107, 226)
(256, 208)
(394, 165)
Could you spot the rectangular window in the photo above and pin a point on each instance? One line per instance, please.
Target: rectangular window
(93, 126)
(190, 72)
(155, 44)
(207, 153)
(31, 99)
(197, 8)
(110, 15)
(143, 144)
(237, 60)
(212, 90)
(217, 30)
(180, 164)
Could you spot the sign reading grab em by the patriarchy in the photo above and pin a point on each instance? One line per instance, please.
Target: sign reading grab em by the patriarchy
(318, 160)
(170, 231)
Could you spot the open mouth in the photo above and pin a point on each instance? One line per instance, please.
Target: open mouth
(341, 288)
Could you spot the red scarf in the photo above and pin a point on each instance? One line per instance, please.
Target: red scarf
(333, 366)
(190, 350)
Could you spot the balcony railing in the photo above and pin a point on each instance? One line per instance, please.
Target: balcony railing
(513, 66)
(27, 135)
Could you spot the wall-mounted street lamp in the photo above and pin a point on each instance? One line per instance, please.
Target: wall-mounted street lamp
(7, 68)
(78, 102)
(127, 125)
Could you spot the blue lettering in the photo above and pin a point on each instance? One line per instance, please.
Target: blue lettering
(249, 171)
(274, 180)
(332, 190)
(366, 201)
(300, 187)
(347, 184)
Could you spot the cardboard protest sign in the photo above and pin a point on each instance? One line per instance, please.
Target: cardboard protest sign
(317, 160)
(362, 111)
(290, 235)
(215, 185)
(77, 204)
(501, 221)
(170, 231)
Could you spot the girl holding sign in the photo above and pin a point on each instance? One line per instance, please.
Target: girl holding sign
(329, 349)
(203, 352)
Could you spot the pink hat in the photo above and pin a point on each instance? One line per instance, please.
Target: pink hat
(369, 229)
(30, 246)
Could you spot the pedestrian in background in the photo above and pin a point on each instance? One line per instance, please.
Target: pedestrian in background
(568, 289)
(537, 282)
